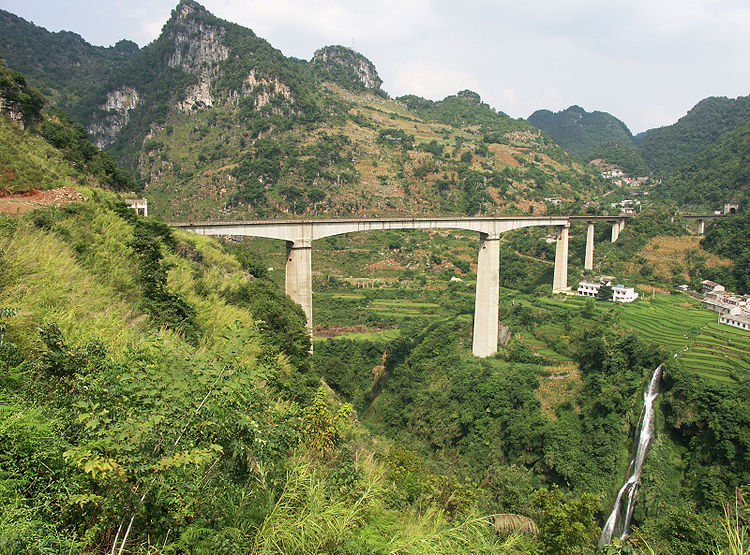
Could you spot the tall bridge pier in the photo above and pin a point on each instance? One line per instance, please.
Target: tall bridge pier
(487, 300)
(298, 282)
(299, 235)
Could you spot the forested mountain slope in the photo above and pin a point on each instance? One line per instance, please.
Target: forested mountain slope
(580, 132)
(718, 174)
(668, 148)
(62, 65)
(215, 122)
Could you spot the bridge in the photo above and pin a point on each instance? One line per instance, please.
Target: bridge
(701, 219)
(299, 235)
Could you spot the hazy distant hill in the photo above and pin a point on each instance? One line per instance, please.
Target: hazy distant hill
(215, 122)
(667, 148)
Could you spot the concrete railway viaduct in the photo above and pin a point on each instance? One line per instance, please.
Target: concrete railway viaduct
(299, 235)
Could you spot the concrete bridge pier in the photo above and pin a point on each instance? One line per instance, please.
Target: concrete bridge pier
(560, 279)
(299, 276)
(701, 226)
(487, 302)
(588, 263)
(615, 230)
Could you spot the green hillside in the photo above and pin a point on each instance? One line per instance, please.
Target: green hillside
(53, 152)
(580, 132)
(149, 379)
(158, 394)
(716, 175)
(668, 148)
(62, 65)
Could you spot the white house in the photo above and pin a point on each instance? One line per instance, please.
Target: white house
(588, 289)
(620, 293)
(623, 294)
(712, 287)
(736, 317)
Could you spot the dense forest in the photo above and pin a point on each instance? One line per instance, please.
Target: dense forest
(580, 132)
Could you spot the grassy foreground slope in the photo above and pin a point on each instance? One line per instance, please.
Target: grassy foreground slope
(164, 411)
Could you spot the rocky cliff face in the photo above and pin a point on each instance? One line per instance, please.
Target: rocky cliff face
(346, 67)
(12, 110)
(117, 106)
(198, 49)
(196, 44)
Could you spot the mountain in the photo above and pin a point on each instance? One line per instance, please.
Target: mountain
(717, 174)
(213, 121)
(667, 148)
(580, 132)
(346, 67)
(61, 65)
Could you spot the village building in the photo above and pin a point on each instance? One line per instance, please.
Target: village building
(620, 293)
(737, 318)
(711, 287)
(716, 304)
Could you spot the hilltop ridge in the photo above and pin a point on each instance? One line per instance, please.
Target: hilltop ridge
(213, 120)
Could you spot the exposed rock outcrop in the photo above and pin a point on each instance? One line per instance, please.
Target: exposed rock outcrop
(199, 95)
(196, 44)
(117, 106)
(345, 66)
(12, 110)
(264, 89)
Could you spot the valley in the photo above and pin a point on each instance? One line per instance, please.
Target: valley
(164, 391)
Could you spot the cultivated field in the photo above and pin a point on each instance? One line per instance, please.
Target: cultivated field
(715, 351)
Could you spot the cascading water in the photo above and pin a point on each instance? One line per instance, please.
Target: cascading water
(644, 433)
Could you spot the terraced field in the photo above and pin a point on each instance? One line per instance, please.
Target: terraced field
(715, 351)
(672, 321)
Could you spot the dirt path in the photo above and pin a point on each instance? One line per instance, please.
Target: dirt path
(24, 202)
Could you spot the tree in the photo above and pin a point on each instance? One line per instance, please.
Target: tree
(605, 293)
(566, 527)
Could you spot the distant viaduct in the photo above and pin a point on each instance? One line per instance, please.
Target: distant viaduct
(299, 235)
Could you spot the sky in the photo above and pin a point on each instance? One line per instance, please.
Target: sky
(647, 62)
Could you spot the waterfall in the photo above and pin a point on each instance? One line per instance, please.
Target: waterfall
(644, 433)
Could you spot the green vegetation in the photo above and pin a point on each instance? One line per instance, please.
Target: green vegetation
(119, 430)
(273, 140)
(17, 96)
(667, 148)
(157, 390)
(584, 134)
(24, 160)
(61, 65)
(716, 175)
(623, 155)
(729, 237)
(464, 109)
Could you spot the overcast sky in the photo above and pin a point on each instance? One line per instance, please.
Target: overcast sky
(645, 61)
